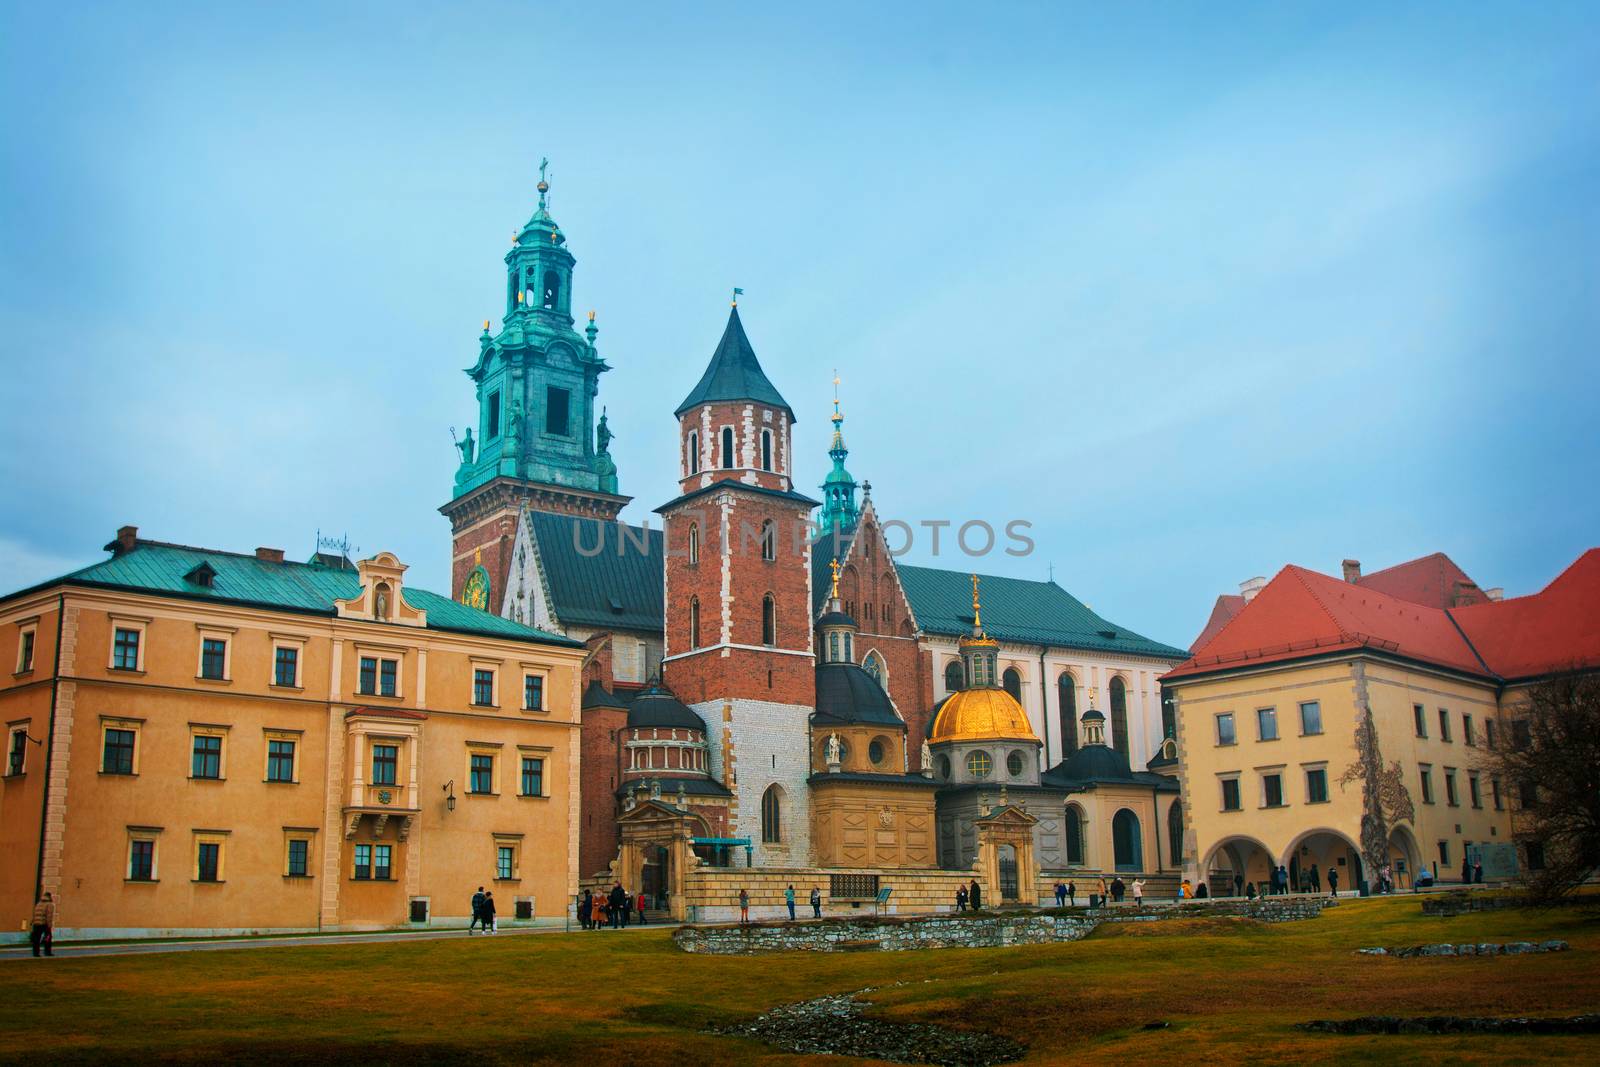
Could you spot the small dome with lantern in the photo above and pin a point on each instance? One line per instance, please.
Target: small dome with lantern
(982, 711)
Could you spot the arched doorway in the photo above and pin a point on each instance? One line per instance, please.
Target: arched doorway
(1404, 856)
(1175, 833)
(1237, 862)
(1318, 853)
(1127, 842)
(1074, 824)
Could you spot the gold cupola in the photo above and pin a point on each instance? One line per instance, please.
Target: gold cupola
(982, 711)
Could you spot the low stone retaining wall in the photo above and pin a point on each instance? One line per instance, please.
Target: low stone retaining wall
(987, 929)
(1510, 948)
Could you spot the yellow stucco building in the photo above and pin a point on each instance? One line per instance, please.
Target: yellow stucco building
(202, 741)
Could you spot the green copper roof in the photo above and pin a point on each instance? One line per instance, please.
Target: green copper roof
(734, 374)
(1014, 609)
(310, 588)
(838, 488)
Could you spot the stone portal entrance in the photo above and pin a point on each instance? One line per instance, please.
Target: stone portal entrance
(1006, 865)
(656, 852)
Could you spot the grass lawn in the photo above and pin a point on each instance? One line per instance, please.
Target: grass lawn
(1231, 990)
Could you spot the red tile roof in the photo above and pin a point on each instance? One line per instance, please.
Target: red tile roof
(1555, 628)
(1433, 580)
(1227, 606)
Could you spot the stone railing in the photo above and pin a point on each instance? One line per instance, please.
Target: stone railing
(986, 929)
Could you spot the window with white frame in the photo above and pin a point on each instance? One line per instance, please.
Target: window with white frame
(283, 750)
(142, 859)
(27, 636)
(206, 751)
(533, 692)
(297, 851)
(127, 643)
(209, 854)
(17, 748)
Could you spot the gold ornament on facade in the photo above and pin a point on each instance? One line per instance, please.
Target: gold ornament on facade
(982, 715)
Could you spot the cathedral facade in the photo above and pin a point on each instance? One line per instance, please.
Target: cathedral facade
(765, 685)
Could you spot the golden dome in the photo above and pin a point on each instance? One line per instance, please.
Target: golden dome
(981, 715)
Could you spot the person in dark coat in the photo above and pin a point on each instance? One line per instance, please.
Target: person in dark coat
(816, 903)
(1316, 879)
(961, 898)
(1466, 871)
(1333, 881)
(1072, 893)
(488, 913)
(1477, 873)
(586, 908)
(615, 901)
(1117, 889)
(477, 910)
(1238, 884)
(975, 895)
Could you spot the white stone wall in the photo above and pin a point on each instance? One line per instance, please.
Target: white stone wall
(770, 744)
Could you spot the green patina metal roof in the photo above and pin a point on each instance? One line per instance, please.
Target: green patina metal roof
(601, 574)
(309, 588)
(734, 374)
(1014, 609)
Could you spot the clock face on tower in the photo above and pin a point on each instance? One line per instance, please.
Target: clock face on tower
(475, 592)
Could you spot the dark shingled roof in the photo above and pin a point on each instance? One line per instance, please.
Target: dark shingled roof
(693, 787)
(848, 694)
(1014, 609)
(601, 574)
(734, 374)
(1101, 765)
(657, 707)
(821, 778)
(597, 696)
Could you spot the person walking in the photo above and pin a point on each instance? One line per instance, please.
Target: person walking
(961, 898)
(1250, 891)
(585, 908)
(1138, 891)
(1238, 884)
(816, 903)
(488, 913)
(1118, 887)
(627, 908)
(744, 905)
(975, 895)
(639, 900)
(788, 899)
(1072, 893)
(615, 902)
(1333, 881)
(1061, 894)
(477, 909)
(1316, 879)
(44, 926)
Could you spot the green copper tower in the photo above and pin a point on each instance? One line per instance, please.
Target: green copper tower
(537, 379)
(838, 488)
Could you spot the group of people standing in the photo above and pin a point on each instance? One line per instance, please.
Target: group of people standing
(616, 909)
(1280, 883)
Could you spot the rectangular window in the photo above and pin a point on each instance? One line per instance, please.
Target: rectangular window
(1474, 791)
(363, 869)
(1230, 794)
(1450, 796)
(483, 687)
(555, 411)
(533, 692)
(381, 855)
(1272, 790)
(1316, 786)
(213, 658)
(142, 860)
(1521, 734)
(1444, 853)
(118, 757)
(286, 667)
(280, 760)
(505, 863)
(1420, 715)
(492, 426)
(1488, 733)
(125, 651)
(206, 761)
(1427, 783)
(25, 651)
(385, 760)
(727, 448)
(1494, 791)
(1466, 730)
(388, 672)
(1444, 724)
(299, 855)
(1225, 735)
(17, 751)
(208, 861)
(1527, 794)
(481, 779)
(369, 676)
(1267, 724)
(532, 776)
(1310, 718)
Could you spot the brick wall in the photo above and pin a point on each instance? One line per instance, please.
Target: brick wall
(599, 775)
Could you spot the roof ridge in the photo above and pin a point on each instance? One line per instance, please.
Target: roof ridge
(1299, 574)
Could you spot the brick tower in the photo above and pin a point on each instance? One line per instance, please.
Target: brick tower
(537, 444)
(738, 597)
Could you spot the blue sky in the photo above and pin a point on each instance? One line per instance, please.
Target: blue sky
(1198, 290)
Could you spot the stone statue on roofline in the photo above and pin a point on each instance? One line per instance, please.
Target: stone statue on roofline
(927, 759)
(833, 754)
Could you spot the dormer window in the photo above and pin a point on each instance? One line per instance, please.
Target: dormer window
(204, 575)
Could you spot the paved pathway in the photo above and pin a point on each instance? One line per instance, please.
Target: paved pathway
(69, 950)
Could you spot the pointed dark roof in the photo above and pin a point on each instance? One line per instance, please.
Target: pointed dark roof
(734, 374)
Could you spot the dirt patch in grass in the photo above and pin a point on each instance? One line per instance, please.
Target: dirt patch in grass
(1221, 926)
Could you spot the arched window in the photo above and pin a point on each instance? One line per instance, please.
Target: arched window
(849, 652)
(874, 666)
(952, 676)
(1013, 684)
(833, 647)
(552, 288)
(1127, 843)
(727, 448)
(694, 622)
(1175, 833)
(380, 601)
(1067, 697)
(1074, 823)
(766, 450)
(694, 543)
(1169, 715)
(769, 621)
(1119, 716)
(772, 815)
(694, 452)
(769, 541)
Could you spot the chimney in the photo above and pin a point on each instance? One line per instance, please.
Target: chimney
(1497, 593)
(127, 537)
(1250, 587)
(270, 555)
(1352, 571)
